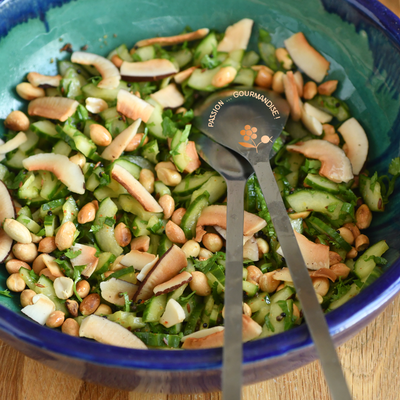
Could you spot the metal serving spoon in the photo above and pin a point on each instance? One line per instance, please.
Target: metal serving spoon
(248, 121)
(235, 170)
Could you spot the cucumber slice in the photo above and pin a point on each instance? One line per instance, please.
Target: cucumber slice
(146, 53)
(159, 339)
(191, 183)
(259, 316)
(77, 140)
(69, 210)
(105, 260)
(154, 123)
(50, 185)
(105, 236)
(284, 294)
(372, 277)
(354, 290)
(150, 151)
(362, 267)
(123, 53)
(155, 309)
(215, 187)
(320, 183)
(91, 90)
(29, 223)
(45, 129)
(245, 77)
(139, 227)
(31, 187)
(256, 303)
(250, 58)
(216, 311)
(205, 47)
(189, 220)
(25, 211)
(32, 141)
(201, 79)
(55, 206)
(45, 286)
(373, 198)
(164, 245)
(24, 273)
(131, 205)
(63, 67)
(325, 229)
(92, 182)
(62, 148)
(109, 114)
(250, 288)
(160, 189)
(178, 146)
(50, 222)
(14, 159)
(127, 319)
(182, 57)
(3, 172)
(71, 83)
(194, 319)
(331, 105)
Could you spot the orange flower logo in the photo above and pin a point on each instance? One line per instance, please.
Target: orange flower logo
(249, 134)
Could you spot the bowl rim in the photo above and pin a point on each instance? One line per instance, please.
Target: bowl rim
(295, 340)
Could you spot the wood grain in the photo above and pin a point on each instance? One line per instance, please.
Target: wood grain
(369, 360)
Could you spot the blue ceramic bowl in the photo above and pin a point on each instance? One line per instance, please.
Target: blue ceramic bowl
(360, 38)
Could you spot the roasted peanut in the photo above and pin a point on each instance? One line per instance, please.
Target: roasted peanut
(178, 215)
(263, 246)
(283, 57)
(199, 284)
(103, 309)
(65, 236)
(362, 243)
(95, 105)
(122, 235)
(55, 319)
(363, 217)
(205, 254)
(108, 273)
(13, 266)
(169, 177)
(38, 264)
(29, 92)
(263, 78)
(328, 129)
(26, 297)
(181, 110)
(254, 273)
(345, 148)
(167, 203)
(47, 244)
(87, 213)
(321, 286)
(141, 243)
(309, 90)
(15, 283)
(327, 88)
(17, 121)
(135, 142)
(353, 253)
(79, 159)
(165, 164)
(116, 265)
(346, 234)
(36, 239)
(146, 178)
(277, 82)
(267, 283)
(117, 60)
(64, 287)
(174, 233)
(296, 313)
(72, 307)
(334, 258)
(280, 287)
(353, 228)
(246, 310)
(191, 248)
(17, 231)
(334, 139)
(70, 327)
(341, 270)
(25, 251)
(212, 242)
(90, 304)
(224, 76)
(100, 135)
(83, 288)
(47, 272)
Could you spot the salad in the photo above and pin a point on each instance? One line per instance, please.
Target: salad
(113, 228)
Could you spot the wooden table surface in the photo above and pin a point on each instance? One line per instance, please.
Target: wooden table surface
(370, 362)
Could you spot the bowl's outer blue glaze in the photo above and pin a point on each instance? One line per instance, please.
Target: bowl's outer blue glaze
(362, 41)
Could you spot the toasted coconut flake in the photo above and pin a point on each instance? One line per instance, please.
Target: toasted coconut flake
(183, 75)
(311, 123)
(306, 57)
(321, 116)
(169, 97)
(87, 257)
(315, 255)
(60, 108)
(144, 71)
(202, 333)
(236, 36)
(292, 95)
(53, 267)
(357, 143)
(108, 71)
(250, 250)
(13, 143)
(95, 105)
(146, 269)
(334, 163)
(222, 232)
(133, 107)
(324, 273)
(136, 189)
(216, 215)
(137, 259)
(111, 289)
(119, 144)
(171, 40)
(174, 283)
(43, 81)
(282, 275)
(169, 265)
(194, 162)
(66, 171)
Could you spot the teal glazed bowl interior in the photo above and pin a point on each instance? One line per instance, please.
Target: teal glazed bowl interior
(360, 38)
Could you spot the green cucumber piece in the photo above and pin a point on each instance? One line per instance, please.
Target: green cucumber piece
(159, 339)
(31, 187)
(182, 57)
(256, 303)
(284, 294)
(105, 260)
(154, 123)
(354, 290)
(215, 187)
(45, 286)
(55, 206)
(50, 222)
(132, 168)
(62, 148)
(127, 319)
(191, 183)
(139, 227)
(205, 47)
(45, 129)
(331, 105)
(146, 53)
(24, 273)
(201, 79)
(105, 236)
(164, 245)
(250, 58)
(31, 142)
(320, 183)
(362, 267)
(29, 223)
(50, 185)
(259, 316)
(91, 90)
(69, 210)
(63, 67)
(14, 159)
(155, 308)
(373, 198)
(160, 189)
(250, 288)
(131, 205)
(245, 77)
(77, 140)
(194, 319)
(150, 151)
(189, 220)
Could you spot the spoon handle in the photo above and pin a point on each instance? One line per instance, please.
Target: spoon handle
(233, 347)
(311, 308)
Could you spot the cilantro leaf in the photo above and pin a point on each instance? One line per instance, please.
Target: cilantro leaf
(374, 179)
(127, 301)
(121, 272)
(268, 323)
(5, 293)
(77, 277)
(264, 36)
(377, 260)
(289, 317)
(169, 127)
(394, 167)
(72, 254)
(33, 275)
(206, 265)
